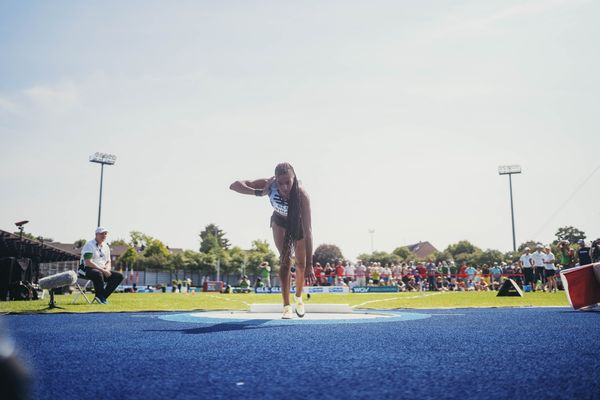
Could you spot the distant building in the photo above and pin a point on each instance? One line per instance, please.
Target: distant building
(422, 249)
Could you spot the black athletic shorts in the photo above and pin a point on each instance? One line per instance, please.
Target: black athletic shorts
(280, 220)
(528, 272)
(550, 272)
(539, 273)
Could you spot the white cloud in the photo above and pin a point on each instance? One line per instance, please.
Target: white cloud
(534, 7)
(483, 22)
(8, 105)
(54, 98)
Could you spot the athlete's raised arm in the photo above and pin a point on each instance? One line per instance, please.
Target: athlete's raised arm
(258, 187)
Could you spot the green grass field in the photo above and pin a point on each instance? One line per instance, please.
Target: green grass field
(132, 302)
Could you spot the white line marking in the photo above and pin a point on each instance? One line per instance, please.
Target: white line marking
(396, 298)
(225, 298)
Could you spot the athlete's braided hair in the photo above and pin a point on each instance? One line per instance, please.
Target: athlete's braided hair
(293, 229)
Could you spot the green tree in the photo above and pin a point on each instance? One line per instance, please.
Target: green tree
(462, 247)
(155, 261)
(238, 259)
(179, 261)
(259, 252)
(155, 255)
(327, 253)
(193, 261)
(212, 236)
(512, 256)
(439, 256)
(156, 248)
(404, 253)
(79, 243)
(380, 257)
(569, 233)
(118, 242)
(139, 239)
(529, 243)
(129, 257)
(489, 257)
(464, 251)
(207, 263)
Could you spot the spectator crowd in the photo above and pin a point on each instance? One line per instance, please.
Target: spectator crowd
(535, 270)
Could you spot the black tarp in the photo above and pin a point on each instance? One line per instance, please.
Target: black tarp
(20, 259)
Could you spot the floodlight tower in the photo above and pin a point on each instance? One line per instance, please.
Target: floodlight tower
(510, 170)
(102, 159)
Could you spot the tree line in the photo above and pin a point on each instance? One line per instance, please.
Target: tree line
(215, 251)
(462, 251)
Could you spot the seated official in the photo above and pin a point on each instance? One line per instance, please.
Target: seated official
(95, 265)
(244, 284)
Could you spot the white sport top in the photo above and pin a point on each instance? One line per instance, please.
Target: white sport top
(277, 201)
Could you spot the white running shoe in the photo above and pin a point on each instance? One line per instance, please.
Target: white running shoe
(300, 310)
(287, 312)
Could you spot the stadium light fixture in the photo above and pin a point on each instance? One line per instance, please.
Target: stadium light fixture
(510, 170)
(102, 159)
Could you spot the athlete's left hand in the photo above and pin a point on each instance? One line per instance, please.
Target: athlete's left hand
(309, 276)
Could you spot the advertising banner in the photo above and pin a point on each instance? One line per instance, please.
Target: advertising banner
(375, 289)
(307, 289)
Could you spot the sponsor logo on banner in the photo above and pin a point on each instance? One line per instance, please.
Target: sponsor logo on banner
(375, 289)
(267, 290)
(383, 289)
(326, 289)
(307, 289)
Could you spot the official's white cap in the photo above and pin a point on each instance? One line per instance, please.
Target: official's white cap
(101, 229)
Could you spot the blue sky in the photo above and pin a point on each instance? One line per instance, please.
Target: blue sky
(395, 115)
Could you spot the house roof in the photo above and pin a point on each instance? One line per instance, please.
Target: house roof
(115, 251)
(422, 249)
(12, 245)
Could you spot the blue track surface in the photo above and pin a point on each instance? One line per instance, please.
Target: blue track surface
(462, 353)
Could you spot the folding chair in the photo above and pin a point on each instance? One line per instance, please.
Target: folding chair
(81, 290)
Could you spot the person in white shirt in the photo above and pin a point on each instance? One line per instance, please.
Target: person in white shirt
(538, 263)
(397, 271)
(361, 274)
(550, 269)
(386, 273)
(527, 267)
(350, 272)
(95, 265)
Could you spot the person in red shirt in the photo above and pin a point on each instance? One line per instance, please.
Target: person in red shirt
(339, 272)
(461, 272)
(318, 272)
(422, 271)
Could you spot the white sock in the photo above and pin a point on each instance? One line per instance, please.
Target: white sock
(298, 299)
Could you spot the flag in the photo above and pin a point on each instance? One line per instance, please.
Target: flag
(582, 285)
